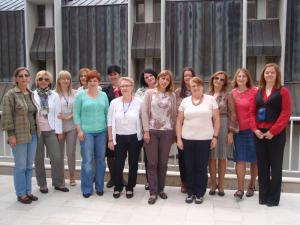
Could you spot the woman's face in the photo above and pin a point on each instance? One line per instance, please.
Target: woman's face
(43, 82)
(270, 75)
(114, 78)
(83, 80)
(93, 83)
(64, 81)
(219, 80)
(149, 79)
(197, 90)
(126, 87)
(23, 78)
(164, 82)
(187, 75)
(241, 79)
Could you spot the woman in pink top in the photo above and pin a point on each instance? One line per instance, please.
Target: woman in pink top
(243, 94)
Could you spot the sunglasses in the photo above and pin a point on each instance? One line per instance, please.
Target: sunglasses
(125, 86)
(23, 76)
(45, 79)
(220, 79)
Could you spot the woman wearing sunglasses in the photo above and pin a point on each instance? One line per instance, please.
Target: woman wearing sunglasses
(219, 155)
(18, 119)
(49, 109)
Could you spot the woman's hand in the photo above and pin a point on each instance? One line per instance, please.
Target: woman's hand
(12, 140)
(146, 137)
(61, 116)
(111, 146)
(80, 136)
(259, 134)
(268, 135)
(60, 137)
(230, 138)
(180, 144)
(213, 143)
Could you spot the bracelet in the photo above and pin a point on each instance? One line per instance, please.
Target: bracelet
(216, 137)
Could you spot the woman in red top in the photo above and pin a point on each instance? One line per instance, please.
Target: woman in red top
(270, 114)
(243, 93)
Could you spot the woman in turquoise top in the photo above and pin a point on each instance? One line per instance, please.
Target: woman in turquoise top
(90, 117)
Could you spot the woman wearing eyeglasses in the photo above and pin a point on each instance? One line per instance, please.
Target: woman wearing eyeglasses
(18, 119)
(124, 133)
(219, 155)
(49, 109)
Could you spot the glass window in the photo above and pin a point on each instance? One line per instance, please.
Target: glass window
(272, 8)
(41, 15)
(140, 11)
(251, 66)
(156, 10)
(252, 9)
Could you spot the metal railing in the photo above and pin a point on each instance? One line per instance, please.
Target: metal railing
(291, 161)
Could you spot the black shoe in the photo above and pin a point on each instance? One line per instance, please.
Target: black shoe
(32, 197)
(162, 195)
(110, 184)
(99, 193)
(211, 192)
(198, 200)
(262, 202)
(116, 194)
(63, 189)
(147, 186)
(44, 190)
(271, 204)
(189, 199)
(86, 195)
(24, 200)
(152, 199)
(221, 193)
(129, 194)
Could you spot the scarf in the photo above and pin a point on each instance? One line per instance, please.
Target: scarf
(43, 94)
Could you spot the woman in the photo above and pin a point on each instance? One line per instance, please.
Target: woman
(159, 116)
(181, 93)
(147, 81)
(49, 109)
(124, 135)
(243, 93)
(218, 156)
(270, 114)
(198, 112)
(18, 119)
(90, 118)
(82, 78)
(66, 94)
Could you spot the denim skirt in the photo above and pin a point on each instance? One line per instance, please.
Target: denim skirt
(244, 146)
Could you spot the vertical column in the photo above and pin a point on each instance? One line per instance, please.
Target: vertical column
(244, 36)
(282, 27)
(58, 36)
(162, 34)
(131, 19)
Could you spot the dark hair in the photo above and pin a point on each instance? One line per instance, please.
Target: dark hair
(93, 74)
(142, 79)
(18, 70)
(182, 93)
(262, 81)
(113, 68)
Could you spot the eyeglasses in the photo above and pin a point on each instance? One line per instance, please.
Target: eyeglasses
(45, 79)
(220, 79)
(125, 86)
(23, 76)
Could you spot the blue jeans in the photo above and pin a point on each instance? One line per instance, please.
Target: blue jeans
(23, 156)
(93, 160)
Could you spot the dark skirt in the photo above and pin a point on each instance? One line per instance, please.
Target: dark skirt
(244, 146)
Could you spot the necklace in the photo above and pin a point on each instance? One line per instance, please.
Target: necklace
(198, 101)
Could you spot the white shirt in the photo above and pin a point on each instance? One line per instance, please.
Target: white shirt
(197, 122)
(125, 119)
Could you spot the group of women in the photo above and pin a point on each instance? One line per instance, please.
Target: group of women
(246, 124)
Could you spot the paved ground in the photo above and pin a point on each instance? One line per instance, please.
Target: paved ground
(71, 208)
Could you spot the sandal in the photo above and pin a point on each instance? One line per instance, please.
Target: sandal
(250, 192)
(72, 183)
(116, 194)
(239, 194)
(32, 197)
(152, 199)
(163, 195)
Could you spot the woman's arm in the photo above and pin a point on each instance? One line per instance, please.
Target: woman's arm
(179, 123)
(216, 126)
(8, 123)
(145, 116)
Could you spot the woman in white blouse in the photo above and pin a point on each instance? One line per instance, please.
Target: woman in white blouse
(124, 133)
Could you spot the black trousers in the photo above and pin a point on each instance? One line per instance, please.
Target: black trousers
(130, 144)
(181, 165)
(196, 155)
(269, 162)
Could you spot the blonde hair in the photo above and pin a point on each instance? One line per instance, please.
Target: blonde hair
(64, 73)
(163, 73)
(249, 83)
(42, 73)
(129, 79)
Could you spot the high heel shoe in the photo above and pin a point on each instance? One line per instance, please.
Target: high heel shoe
(239, 194)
